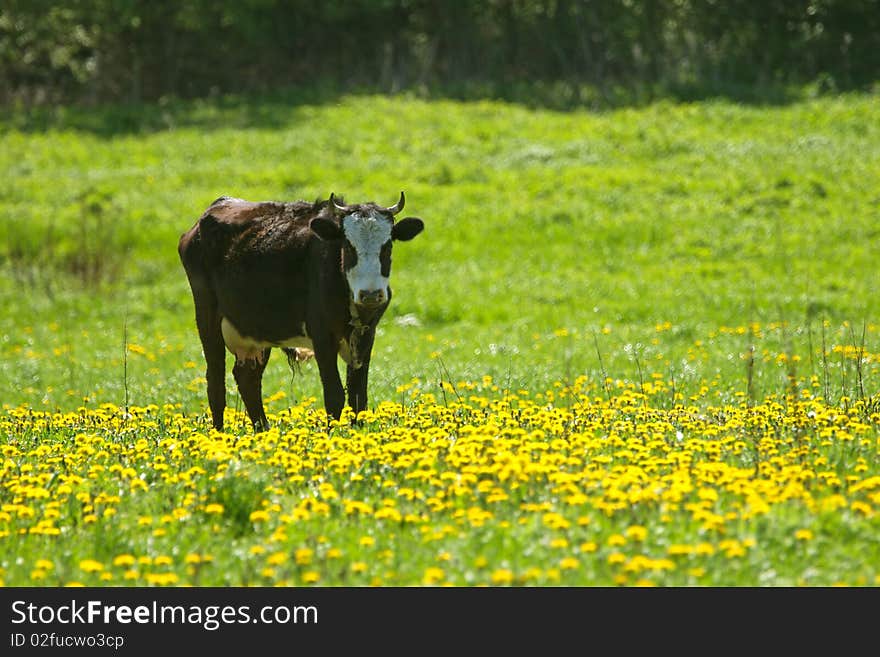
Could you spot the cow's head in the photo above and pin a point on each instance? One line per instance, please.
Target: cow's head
(366, 231)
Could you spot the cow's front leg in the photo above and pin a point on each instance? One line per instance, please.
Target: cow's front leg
(334, 394)
(356, 381)
(358, 370)
(249, 377)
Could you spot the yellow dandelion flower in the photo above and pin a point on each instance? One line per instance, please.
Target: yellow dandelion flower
(704, 549)
(259, 516)
(310, 577)
(636, 533)
(502, 576)
(616, 558)
(91, 566)
(277, 558)
(358, 567)
(433, 575)
(569, 563)
(803, 535)
(367, 541)
(124, 560)
(162, 579)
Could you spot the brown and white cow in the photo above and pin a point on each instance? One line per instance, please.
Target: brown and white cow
(304, 277)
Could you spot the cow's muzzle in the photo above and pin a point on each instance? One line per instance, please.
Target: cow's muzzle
(371, 298)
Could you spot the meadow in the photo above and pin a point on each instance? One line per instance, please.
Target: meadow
(637, 346)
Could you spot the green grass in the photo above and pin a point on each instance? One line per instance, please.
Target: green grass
(664, 243)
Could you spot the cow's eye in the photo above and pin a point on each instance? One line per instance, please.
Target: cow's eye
(385, 258)
(349, 255)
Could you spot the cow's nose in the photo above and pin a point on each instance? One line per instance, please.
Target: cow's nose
(371, 297)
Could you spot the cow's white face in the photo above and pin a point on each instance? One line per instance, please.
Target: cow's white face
(367, 256)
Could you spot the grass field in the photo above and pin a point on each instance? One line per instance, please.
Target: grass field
(638, 346)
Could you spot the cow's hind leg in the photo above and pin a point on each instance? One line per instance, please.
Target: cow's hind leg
(249, 377)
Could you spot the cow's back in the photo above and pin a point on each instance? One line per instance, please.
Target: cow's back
(253, 259)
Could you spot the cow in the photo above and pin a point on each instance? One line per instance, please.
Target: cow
(309, 278)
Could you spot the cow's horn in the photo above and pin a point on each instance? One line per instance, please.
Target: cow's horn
(394, 209)
(336, 206)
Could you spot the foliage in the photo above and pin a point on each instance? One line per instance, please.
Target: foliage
(134, 50)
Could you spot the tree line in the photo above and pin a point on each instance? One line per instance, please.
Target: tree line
(92, 51)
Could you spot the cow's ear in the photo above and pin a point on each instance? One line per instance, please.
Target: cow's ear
(325, 228)
(407, 228)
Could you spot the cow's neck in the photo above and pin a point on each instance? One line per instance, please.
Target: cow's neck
(358, 325)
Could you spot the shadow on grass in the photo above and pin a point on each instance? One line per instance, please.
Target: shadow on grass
(275, 110)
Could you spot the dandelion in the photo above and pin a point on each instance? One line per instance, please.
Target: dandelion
(124, 560)
(433, 575)
(303, 556)
(636, 533)
(162, 579)
(277, 558)
(259, 516)
(803, 535)
(502, 576)
(91, 566)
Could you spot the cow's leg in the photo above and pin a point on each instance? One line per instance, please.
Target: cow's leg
(334, 393)
(356, 378)
(208, 322)
(249, 377)
(356, 382)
